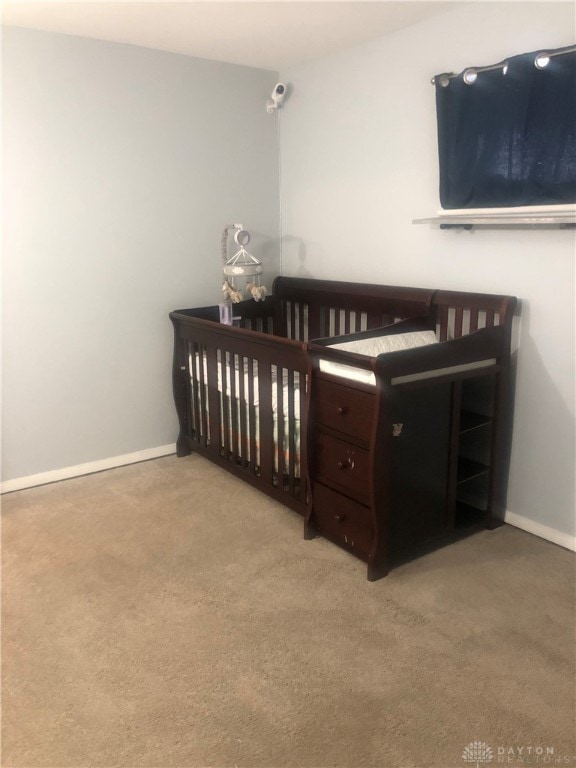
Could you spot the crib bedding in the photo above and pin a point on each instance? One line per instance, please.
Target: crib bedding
(384, 342)
(248, 372)
(286, 414)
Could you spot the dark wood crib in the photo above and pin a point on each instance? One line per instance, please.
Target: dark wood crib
(410, 457)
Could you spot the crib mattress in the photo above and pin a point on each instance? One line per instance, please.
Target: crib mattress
(377, 345)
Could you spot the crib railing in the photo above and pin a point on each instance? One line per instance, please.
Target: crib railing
(310, 309)
(457, 313)
(241, 399)
(255, 315)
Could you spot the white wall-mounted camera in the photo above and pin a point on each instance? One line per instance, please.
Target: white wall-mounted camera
(276, 98)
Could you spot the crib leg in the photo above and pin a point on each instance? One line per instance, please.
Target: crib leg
(378, 568)
(310, 530)
(183, 446)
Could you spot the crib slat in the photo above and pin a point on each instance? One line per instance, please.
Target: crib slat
(300, 437)
(194, 405)
(292, 308)
(302, 312)
(234, 404)
(314, 320)
(291, 432)
(252, 372)
(473, 319)
(225, 402)
(458, 318)
(194, 391)
(334, 322)
(339, 321)
(373, 320)
(299, 321)
(213, 399)
(266, 421)
(280, 424)
(301, 394)
(205, 430)
(330, 327)
(325, 329)
(443, 322)
(346, 321)
(243, 438)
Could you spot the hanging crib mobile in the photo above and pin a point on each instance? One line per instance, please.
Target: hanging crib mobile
(242, 273)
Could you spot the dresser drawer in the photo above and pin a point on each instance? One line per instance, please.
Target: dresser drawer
(342, 520)
(342, 465)
(344, 409)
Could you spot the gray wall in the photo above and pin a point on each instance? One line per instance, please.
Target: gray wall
(121, 166)
(359, 162)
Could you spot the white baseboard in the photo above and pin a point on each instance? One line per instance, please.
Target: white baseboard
(550, 534)
(19, 483)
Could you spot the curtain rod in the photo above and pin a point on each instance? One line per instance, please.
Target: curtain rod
(541, 60)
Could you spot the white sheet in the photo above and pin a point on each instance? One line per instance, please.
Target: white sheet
(286, 390)
(288, 420)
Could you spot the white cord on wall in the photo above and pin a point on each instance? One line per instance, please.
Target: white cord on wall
(280, 248)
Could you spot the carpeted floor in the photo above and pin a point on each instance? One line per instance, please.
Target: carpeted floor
(166, 614)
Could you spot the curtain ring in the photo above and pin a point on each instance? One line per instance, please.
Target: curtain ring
(542, 60)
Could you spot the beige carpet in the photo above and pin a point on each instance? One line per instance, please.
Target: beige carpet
(166, 614)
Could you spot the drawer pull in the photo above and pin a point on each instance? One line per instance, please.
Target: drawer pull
(340, 518)
(342, 410)
(346, 464)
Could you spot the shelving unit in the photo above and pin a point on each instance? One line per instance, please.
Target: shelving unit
(470, 420)
(469, 470)
(474, 412)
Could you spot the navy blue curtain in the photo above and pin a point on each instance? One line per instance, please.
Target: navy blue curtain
(509, 139)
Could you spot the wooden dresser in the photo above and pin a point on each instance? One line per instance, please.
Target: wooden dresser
(340, 450)
(383, 489)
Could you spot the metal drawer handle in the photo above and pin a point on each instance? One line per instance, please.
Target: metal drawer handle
(341, 410)
(346, 464)
(339, 518)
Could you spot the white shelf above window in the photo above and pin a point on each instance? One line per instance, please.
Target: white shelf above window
(555, 216)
